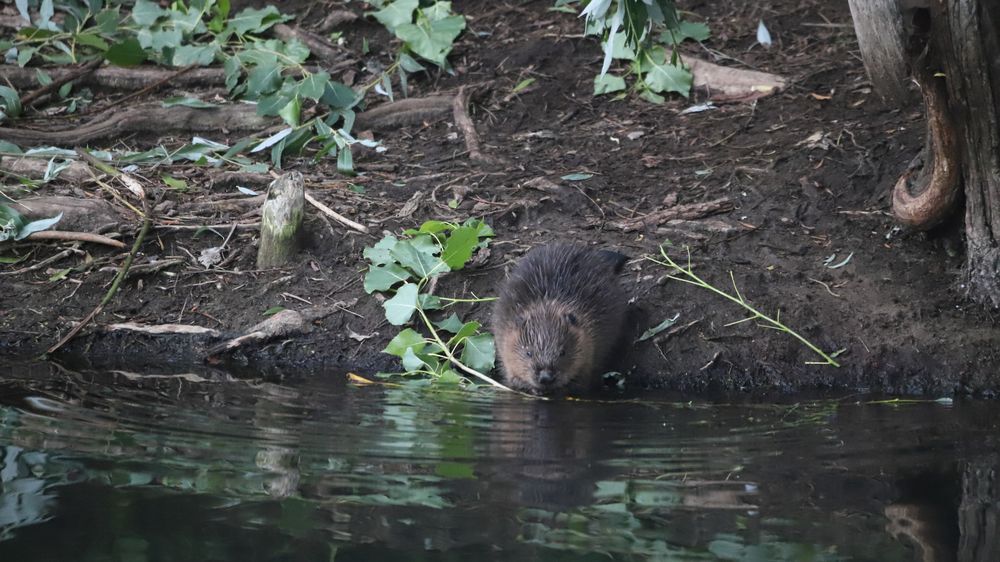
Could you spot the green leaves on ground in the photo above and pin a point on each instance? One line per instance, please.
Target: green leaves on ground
(402, 269)
(646, 34)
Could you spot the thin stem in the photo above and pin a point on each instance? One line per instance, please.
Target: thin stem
(451, 356)
(775, 323)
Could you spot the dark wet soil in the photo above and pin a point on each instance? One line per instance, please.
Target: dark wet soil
(808, 172)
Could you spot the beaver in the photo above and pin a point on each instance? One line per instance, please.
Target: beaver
(560, 317)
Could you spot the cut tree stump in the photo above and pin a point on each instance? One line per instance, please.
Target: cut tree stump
(281, 218)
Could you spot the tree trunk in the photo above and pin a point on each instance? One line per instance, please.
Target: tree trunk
(979, 514)
(969, 32)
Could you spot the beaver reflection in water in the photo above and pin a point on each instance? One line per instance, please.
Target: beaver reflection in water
(560, 318)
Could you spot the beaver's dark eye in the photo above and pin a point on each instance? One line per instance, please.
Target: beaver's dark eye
(562, 353)
(571, 318)
(528, 354)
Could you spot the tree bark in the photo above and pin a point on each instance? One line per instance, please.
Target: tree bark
(969, 31)
(979, 514)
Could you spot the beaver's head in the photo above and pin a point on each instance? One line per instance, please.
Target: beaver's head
(551, 349)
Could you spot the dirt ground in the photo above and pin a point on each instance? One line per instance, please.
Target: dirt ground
(808, 172)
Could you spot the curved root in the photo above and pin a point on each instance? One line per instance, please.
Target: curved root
(938, 182)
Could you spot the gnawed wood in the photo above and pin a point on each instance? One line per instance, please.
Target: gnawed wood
(161, 329)
(283, 324)
(882, 41)
(690, 211)
(724, 83)
(281, 218)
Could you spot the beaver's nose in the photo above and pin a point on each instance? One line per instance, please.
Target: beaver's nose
(545, 377)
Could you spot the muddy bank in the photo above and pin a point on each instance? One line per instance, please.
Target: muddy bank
(807, 173)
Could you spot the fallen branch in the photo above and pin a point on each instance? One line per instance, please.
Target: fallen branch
(403, 113)
(460, 112)
(159, 329)
(144, 119)
(35, 167)
(84, 215)
(690, 211)
(74, 236)
(283, 324)
(334, 215)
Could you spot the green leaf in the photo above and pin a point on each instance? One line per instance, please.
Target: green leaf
(146, 12)
(125, 53)
(345, 161)
(409, 64)
(174, 183)
(687, 30)
(467, 330)
(337, 95)
(186, 102)
(450, 324)
(432, 40)
(199, 55)
(36, 226)
(396, 13)
(24, 56)
(92, 40)
(479, 353)
(381, 252)
(43, 78)
(251, 19)
(60, 275)
(264, 79)
(273, 310)
(291, 112)
(459, 246)
(661, 76)
(423, 263)
(400, 308)
(607, 84)
(11, 102)
(522, 85)
(413, 362)
(406, 339)
(659, 328)
(577, 177)
(11, 223)
(10, 147)
(314, 85)
(430, 302)
(384, 277)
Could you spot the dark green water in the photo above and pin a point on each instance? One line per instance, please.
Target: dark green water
(106, 466)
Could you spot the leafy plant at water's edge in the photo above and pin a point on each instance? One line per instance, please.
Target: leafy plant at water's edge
(646, 33)
(405, 270)
(687, 275)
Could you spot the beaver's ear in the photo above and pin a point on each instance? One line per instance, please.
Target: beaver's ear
(571, 318)
(615, 260)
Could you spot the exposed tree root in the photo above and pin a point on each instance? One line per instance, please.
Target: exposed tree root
(938, 181)
(146, 119)
(35, 167)
(88, 215)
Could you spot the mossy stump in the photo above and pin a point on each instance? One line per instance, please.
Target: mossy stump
(281, 218)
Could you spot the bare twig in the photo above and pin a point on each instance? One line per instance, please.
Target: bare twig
(460, 110)
(57, 83)
(113, 290)
(335, 216)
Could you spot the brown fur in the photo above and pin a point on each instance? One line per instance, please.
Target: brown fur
(559, 318)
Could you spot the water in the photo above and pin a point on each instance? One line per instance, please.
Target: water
(112, 466)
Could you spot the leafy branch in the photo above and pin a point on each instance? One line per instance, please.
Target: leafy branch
(641, 32)
(407, 268)
(687, 275)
